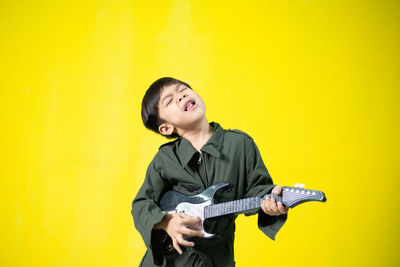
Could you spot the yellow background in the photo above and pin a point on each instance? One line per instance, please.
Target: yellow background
(315, 83)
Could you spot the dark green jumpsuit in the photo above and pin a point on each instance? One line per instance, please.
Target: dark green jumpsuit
(228, 156)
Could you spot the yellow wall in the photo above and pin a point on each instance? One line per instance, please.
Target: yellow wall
(316, 83)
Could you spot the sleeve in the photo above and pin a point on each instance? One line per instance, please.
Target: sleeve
(259, 183)
(146, 213)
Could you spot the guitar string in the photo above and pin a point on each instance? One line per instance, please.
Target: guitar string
(243, 205)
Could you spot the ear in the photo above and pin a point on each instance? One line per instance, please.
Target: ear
(166, 129)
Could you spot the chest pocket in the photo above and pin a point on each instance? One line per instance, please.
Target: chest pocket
(226, 194)
(188, 188)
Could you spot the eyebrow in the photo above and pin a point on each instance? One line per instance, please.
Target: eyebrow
(162, 100)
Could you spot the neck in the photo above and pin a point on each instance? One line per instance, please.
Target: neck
(199, 135)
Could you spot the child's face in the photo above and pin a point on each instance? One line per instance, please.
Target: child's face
(181, 108)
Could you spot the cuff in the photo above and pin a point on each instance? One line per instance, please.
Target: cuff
(270, 225)
(156, 236)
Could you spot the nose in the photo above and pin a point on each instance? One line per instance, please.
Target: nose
(182, 97)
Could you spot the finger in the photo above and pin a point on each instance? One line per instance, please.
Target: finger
(184, 242)
(176, 246)
(189, 220)
(286, 208)
(264, 206)
(190, 232)
(273, 206)
(281, 208)
(277, 190)
(183, 215)
(268, 209)
(267, 205)
(198, 227)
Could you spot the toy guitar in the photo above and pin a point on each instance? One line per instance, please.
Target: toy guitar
(202, 205)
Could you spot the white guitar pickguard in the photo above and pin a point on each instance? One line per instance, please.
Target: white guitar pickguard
(194, 210)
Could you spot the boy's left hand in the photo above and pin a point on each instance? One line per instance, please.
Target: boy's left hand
(270, 207)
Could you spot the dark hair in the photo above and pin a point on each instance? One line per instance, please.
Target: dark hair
(150, 113)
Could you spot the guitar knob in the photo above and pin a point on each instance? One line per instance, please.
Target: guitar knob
(302, 186)
(296, 185)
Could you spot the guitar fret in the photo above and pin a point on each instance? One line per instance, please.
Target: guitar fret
(242, 205)
(235, 206)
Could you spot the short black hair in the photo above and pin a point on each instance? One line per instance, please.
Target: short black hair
(150, 113)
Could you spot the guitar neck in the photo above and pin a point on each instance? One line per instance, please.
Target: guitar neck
(231, 207)
(291, 197)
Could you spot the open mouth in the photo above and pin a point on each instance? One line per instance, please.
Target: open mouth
(190, 105)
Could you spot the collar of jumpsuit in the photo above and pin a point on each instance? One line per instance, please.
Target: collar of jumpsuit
(212, 147)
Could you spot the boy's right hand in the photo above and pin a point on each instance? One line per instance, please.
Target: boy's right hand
(179, 226)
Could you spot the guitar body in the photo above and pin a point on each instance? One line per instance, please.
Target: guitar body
(175, 202)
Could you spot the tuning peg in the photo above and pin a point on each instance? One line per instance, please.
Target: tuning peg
(296, 185)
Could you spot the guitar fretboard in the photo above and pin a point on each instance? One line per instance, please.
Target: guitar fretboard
(236, 206)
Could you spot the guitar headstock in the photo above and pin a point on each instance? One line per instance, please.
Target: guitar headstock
(293, 196)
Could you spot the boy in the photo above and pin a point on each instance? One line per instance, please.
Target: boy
(203, 154)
